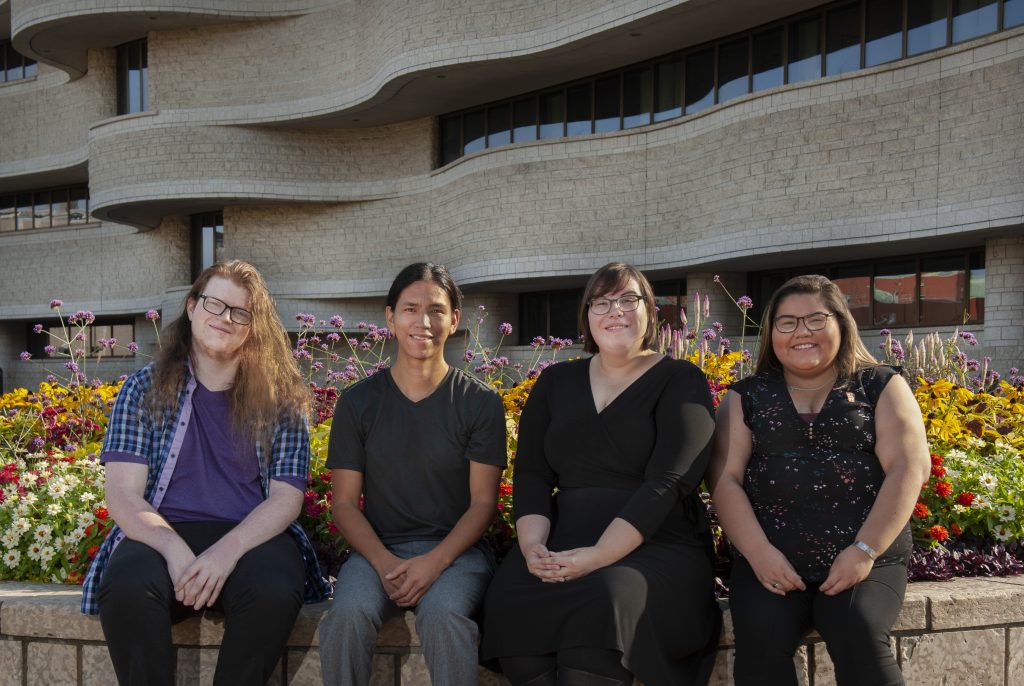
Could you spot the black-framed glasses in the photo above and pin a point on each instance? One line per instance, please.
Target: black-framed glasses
(815, 321)
(625, 303)
(217, 306)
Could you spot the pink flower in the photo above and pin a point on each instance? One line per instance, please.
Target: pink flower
(54, 304)
(152, 315)
(505, 329)
(25, 356)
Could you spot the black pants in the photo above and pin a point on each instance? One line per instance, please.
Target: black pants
(855, 625)
(260, 601)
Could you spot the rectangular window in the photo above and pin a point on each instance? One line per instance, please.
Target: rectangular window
(103, 329)
(670, 299)
(24, 212)
(548, 313)
(767, 60)
(8, 216)
(606, 105)
(207, 241)
(804, 50)
(132, 77)
(524, 120)
(943, 289)
(59, 207)
(976, 287)
(451, 138)
(43, 209)
(474, 134)
(78, 206)
(973, 18)
(895, 294)
(13, 65)
(552, 114)
(733, 78)
(884, 40)
(668, 93)
(498, 131)
(842, 40)
(637, 92)
(578, 110)
(1013, 13)
(855, 283)
(926, 25)
(700, 80)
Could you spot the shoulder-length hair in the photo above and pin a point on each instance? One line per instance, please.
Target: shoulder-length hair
(852, 355)
(268, 387)
(610, 278)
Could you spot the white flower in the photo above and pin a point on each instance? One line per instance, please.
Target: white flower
(70, 480)
(53, 509)
(77, 534)
(34, 550)
(975, 442)
(57, 488)
(12, 558)
(980, 502)
(1002, 533)
(46, 554)
(22, 525)
(10, 538)
(30, 498)
(959, 509)
(1006, 513)
(43, 533)
(29, 478)
(950, 472)
(956, 454)
(989, 481)
(88, 497)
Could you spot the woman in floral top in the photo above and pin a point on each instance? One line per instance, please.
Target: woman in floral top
(819, 457)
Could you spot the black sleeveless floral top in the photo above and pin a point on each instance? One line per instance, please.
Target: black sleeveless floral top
(812, 484)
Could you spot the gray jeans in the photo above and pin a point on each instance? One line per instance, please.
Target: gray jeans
(444, 619)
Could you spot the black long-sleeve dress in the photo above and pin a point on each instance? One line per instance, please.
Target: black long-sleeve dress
(640, 459)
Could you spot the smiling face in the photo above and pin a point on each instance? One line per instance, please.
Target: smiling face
(618, 332)
(422, 320)
(216, 336)
(804, 352)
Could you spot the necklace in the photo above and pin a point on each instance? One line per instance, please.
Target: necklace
(812, 388)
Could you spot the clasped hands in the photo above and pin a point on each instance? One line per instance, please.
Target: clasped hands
(407, 581)
(778, 576)
(565, 565)
(198, 580)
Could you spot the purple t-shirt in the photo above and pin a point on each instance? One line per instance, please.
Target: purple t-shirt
(218, 474)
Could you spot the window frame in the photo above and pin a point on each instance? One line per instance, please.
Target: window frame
(32, 200)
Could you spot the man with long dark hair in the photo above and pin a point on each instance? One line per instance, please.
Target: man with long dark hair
(207, 457)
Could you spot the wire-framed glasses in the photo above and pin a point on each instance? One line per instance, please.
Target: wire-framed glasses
(815, 321)
(625, 303)
(216, 306)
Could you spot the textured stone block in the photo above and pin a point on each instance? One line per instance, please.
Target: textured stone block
(1015, 657)
(196, 666)
(97, 670)
(10, 662)
(46, 611)
(413, 670)
(975, 602)
(304, 667)
(51, 664)
(954, 658)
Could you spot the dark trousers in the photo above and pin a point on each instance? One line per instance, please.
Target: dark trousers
(855, 625)
(260, 601)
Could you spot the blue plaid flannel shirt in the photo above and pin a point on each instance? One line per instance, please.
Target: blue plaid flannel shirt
(132, 431)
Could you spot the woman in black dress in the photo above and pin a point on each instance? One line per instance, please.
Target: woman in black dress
(819, 459)
(612, 578)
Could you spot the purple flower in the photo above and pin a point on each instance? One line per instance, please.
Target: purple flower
(318, 365)
(54, 304)
(518, 366)
(152, 315)
(25, 356)
(71, 367)
(133, 347)
(537, 342)
(335, 357)
(385, 333)
(314, 339)
(50, 378)
(365, 345)
(361, 325)
(725, 342)
(717, 279)
(969, 338)
(36, 443)
(337, 322)
(38, 328)
(718, 326)
(501, 361)
(353, 342)
(325, 347)
(50, 350)
(709, 334)
(333, 337)
(505, 329)
(468, 356)
(745, 302)
(885, 332)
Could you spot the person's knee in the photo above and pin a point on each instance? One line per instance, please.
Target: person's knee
(446, 623)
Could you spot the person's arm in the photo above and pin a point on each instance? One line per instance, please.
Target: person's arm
(685, 423)
(902, 450)
(733, 445)
(355, 528)
(415, 575)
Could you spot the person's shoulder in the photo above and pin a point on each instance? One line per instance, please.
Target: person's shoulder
(876, 374)
(760, 380)
(575, 367)
(469, 384)
(365, 390)
(140, 379)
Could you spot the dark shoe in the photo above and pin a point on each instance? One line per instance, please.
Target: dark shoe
(574, 677)
(545, 679)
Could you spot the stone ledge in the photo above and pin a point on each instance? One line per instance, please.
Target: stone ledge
(969, 627)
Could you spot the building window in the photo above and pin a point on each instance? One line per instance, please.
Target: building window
(549, 313)
(13, 65)
(103, 329)
(207, 241)
(44, 209)
(670, 299)
(132, 77)
(837, 38)
(943, 289)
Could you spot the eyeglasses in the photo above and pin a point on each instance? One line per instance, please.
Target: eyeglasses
(815, 321)
(625, 303)
(217, 306)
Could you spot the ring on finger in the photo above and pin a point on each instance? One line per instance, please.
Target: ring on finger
(775, 585)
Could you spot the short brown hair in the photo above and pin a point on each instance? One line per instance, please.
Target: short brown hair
(852, 354)
(608, 279)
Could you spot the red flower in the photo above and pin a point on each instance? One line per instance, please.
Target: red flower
(102, 514)
(93, 550)
(936, 460)
(965, 498)
(955, 529)
(943, 488)
(938, 533)
(938, 471)
(505, 489)
(921, 510)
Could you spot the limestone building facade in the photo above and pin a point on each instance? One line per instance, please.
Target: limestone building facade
(523, 143)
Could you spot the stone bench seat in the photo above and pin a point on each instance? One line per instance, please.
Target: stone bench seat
(966, 631)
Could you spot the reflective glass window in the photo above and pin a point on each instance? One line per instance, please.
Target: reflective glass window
(13, 62)
(207, 241)
(700, 80)
(842, 40)
(41, 210)
(973, 18)
(24, 211)
(7, 213)
(552, 114)
(606, 104)
(670, 299)
(473, 132)
(733, 76)
(78, 205)
(855, 284)
(767, 60)
(578, 110)
(884, 39)
(451, 138)
(943, 289)
(804, 50)
(498, 131)
(59, 207)
(1013, 13)
(668, 93)
(132, 77)
(562, 320)
(976, 288)
(524, 120)
(636, 97)
(548, 313)
(926, 25)
(31, 68)
(895, 294)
